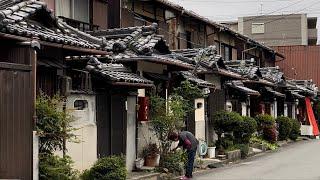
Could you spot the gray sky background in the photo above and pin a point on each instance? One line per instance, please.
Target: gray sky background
(227, 10)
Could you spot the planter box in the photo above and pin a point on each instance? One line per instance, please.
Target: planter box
(211, 152)
(234, 155)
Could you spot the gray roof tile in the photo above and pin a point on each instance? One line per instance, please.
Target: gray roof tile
(115, 73)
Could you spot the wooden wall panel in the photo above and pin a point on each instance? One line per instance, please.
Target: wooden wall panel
(100, 14)
(16, 118)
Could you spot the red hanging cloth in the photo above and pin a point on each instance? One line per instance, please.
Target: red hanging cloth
(311, 117)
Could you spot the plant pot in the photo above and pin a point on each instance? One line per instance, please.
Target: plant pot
(212, 152)
(151, 160)
(139, 163)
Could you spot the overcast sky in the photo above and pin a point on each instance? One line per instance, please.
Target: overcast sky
(228, 10)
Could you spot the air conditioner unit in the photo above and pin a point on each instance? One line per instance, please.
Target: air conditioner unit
(66, 85)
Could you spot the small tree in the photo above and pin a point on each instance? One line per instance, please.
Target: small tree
(53, 128)
(264, 121)
(189, 92)
(224, 122)
(295, 132)
(166, 117)
(244, 131)
(284, 127)
(53, 124)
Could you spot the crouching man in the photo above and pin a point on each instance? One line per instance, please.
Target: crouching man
(190, 143)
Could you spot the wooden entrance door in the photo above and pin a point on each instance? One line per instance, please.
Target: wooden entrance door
(16, 123)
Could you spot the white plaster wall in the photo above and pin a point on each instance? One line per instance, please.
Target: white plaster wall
(131, 133)
(145, 136)
(294, 115)
(84, 153)
(200, 126)
(212, 78)
(285, 109)
(243, 109)
(141, 92)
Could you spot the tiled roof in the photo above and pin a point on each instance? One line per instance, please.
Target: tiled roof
(116, 73)
(246, 68)
(32, 19)
(124, 58)
(272, 74)
(209, 61)
(207, 57)
(276, 93)
(238, 85)
(192, 78)
(302, 86)
(141, 40)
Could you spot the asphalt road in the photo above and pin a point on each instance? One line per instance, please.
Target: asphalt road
(296, 161)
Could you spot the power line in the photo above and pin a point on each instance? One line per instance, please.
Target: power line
(273, 11)
(286, 16)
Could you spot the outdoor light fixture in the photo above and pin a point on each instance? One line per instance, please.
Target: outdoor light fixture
(297, 102)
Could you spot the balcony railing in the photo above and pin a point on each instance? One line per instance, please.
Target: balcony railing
(82, 26)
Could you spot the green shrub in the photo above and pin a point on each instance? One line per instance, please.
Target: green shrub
(264, 120)
(174, 161)
(106, 168)
(295, 132)
(54, 167)
(245, 129)
(284, 127)
(224, 121)
(244, 148)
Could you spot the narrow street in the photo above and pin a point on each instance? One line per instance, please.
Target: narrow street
(296, 161)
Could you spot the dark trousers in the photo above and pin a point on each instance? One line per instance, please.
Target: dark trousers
(189, 166)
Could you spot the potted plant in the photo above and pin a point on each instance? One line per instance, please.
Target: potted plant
(211, 150)
(151, 155)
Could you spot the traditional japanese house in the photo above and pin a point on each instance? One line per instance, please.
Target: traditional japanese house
(229, 90)
(264, 81)
(33, 47)
(144, 55)
(304, 92)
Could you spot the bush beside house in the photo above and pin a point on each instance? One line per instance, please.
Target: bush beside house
(113, 167)
(284, 127)
(234, 132)
(295, 132)
(266, 127)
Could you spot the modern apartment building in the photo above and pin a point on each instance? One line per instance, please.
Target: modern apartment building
(278, 30)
